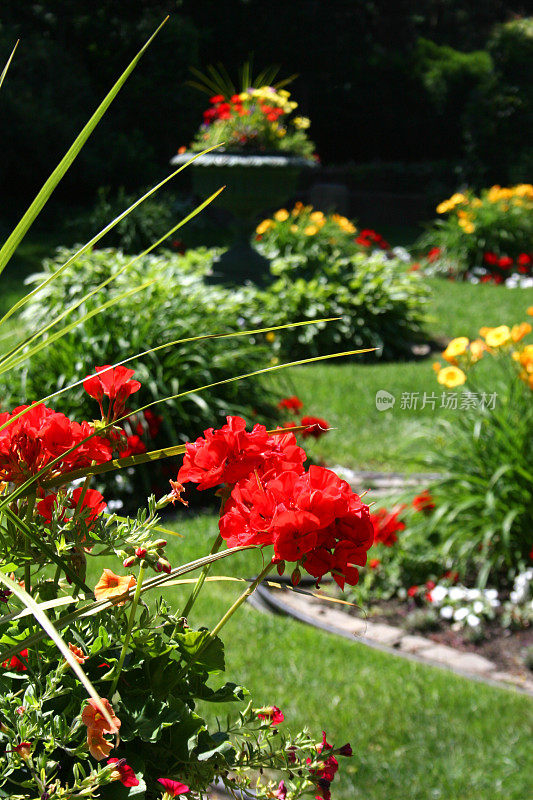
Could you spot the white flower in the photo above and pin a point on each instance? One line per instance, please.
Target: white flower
(460, 614)
(446, 612)
(515, 598)
(472, 620)
(439, 593)
(491, 594)
(473, 594)
(478, 607)
(114, 505)
(457, 593)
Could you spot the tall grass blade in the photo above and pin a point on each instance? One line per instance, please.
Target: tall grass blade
(9, 60)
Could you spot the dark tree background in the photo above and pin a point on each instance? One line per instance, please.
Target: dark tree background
(380, 81)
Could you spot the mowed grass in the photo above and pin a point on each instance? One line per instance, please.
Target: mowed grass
(416, 731)
(345, 394)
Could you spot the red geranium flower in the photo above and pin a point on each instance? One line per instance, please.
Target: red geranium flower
(271, 714)
(217, 98)
(92, 500)
(134, 445)
(316, 427)
(116, 384)
(505, 262)
(524, 259)
(423, 502)
(386, 525)
(412, 591)
(15, 663)
(292, 403)
(231, 453)
(123, 772)
(433, 254)
(490, 258)
(173, 788)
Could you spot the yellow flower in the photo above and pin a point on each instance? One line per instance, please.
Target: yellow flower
(443, 207)
(298, 206)
(263, 226)
(457, 347)
(301, 123)
(281, 215)
(466, 225)
(294, 228)
(310, 230)
(483, 331)
(498, 336)
(451, 377)
(437, 366)
(271, 336)
(519, 331)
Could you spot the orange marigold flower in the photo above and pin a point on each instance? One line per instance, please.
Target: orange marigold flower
(529, 311)
(113, 587)
(99, 746)
(95, 720)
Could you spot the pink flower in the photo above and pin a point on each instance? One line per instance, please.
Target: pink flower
(173, 788)
(272, 714)
(123, 772)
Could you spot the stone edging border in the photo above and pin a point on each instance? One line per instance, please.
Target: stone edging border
(390, 639)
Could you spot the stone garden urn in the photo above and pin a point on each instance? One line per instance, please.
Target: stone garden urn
(254, 182)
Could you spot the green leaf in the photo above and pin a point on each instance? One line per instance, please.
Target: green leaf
(4, 71)
(210, 656)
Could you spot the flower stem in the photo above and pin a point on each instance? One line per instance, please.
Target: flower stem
(131, 620)
(201, 578)
(27, 565)
(238, 602)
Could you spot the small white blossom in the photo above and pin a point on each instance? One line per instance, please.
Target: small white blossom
(461, 613)
(446, 612)
(439, 593)
(472, 620)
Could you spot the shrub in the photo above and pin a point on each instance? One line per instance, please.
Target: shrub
(177, 305)
(379, 304)
(489, 236)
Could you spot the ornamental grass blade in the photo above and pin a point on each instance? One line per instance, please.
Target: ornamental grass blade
(52, 633)
(4, 71)
(10, 355)
(66, 162)
(96, 238)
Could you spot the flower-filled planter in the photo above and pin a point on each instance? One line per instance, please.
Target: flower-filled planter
(258, 160)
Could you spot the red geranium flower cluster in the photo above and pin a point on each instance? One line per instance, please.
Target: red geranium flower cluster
(325, 772)
(114, 383)
(433, 254)
(386, 525)
(292, 403)
(313, 518)
(316, 427)
(369, 238)
(39, 436)
(423, 502)
(15, 663)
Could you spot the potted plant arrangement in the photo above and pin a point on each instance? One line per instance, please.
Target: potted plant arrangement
(258, 146)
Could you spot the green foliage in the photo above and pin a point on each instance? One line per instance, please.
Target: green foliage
(484, 499)
(379, 303)
(449, 75)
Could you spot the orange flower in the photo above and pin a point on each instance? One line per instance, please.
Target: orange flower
(477, 348)
(95, 720)
(437, 366)
(529, 311)
(113, 587)
(519, 331)
(78, 653)
(99, 747)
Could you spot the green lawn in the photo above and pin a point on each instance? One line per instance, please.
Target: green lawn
(416, 731)
(345, 394)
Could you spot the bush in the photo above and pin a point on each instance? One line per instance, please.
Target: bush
(379, 304)
(177, 305)
(489, 236)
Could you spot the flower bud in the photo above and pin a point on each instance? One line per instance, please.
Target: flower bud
(160, 543)
(345, 750)
(129, 561)
(296, 576)
(141, 552)
(165, 565)
(281, 568)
